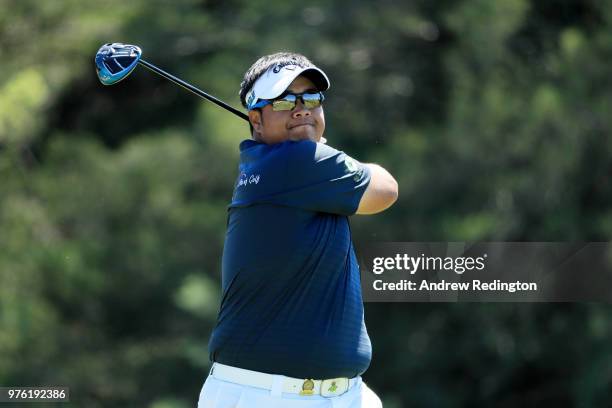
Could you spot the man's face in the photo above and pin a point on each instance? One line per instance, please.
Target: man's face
(272, 127)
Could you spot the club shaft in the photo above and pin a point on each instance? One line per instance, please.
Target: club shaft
(193, 89)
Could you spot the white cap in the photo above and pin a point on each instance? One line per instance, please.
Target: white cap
(277, 78)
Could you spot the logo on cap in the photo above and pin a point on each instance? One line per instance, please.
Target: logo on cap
(251, 98)
(277, 68)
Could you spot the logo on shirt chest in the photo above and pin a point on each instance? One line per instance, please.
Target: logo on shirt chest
(248, 179)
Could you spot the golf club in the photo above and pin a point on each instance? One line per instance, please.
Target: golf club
(115, 61)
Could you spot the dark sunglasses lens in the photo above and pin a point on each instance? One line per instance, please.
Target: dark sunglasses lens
(283, 104)
(288, 102)
(312, 101)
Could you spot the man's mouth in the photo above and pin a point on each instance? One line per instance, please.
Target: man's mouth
(301, 124)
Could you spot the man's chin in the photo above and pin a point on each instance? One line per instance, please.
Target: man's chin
(312, 138)
(303, 133)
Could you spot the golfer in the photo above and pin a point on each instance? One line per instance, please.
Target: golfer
(290, 330)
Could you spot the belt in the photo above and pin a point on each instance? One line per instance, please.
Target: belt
(303, 386)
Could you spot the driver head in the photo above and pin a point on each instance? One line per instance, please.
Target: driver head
(115, 61)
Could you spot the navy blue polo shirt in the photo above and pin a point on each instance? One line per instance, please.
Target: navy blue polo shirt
(291, 300)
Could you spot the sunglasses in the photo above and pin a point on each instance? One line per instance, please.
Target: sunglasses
(288, 101)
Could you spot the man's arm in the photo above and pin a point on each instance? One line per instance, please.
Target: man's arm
(381, 192)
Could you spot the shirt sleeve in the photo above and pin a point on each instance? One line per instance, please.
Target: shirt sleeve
(321, 178)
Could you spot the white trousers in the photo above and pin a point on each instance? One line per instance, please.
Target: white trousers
(223, 394)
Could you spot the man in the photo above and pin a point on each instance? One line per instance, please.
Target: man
(290, 330)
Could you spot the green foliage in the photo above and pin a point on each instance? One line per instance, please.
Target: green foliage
(493, 116)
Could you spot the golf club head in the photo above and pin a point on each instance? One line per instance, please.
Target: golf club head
(115, 61)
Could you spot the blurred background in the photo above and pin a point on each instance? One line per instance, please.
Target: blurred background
(494, 116)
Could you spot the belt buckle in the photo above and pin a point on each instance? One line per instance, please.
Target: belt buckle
(334, 387)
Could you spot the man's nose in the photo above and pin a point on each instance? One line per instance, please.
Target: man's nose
(300, 111)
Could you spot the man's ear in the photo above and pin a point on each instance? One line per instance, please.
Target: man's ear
(256, 120)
